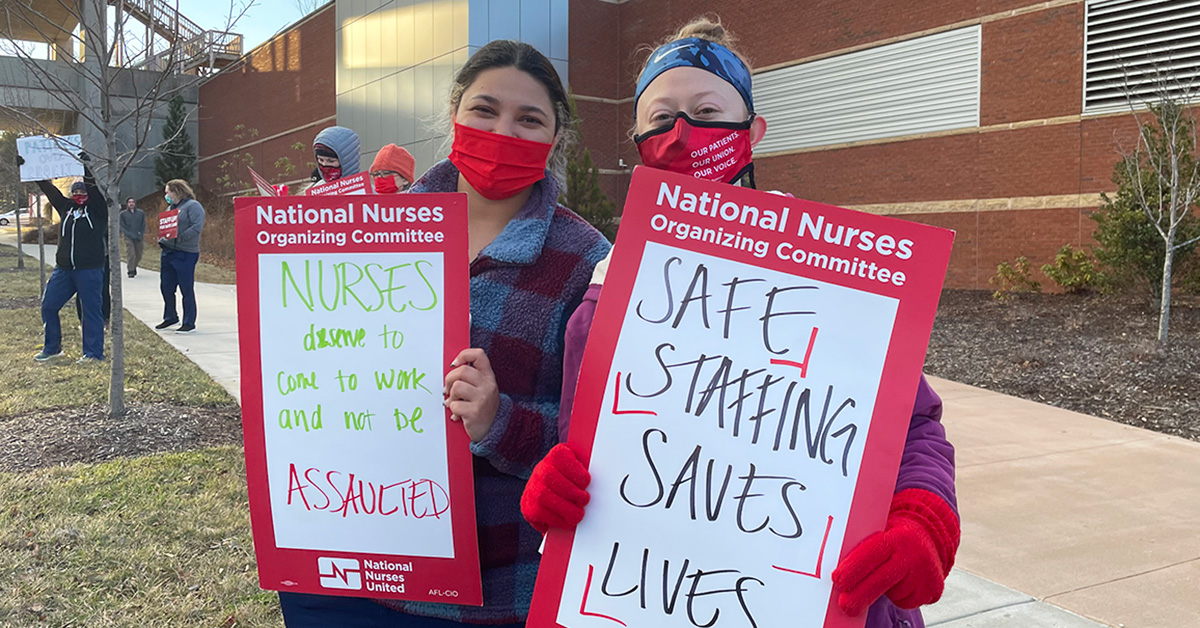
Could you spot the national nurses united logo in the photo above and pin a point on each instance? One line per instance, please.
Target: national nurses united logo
(339, 573)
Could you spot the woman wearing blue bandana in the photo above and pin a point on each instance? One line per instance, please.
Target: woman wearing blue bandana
(695, 94)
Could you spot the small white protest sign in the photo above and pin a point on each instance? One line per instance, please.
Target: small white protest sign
(49, 157)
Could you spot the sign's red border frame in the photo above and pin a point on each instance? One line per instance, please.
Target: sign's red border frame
(917, 305)
(450, 580)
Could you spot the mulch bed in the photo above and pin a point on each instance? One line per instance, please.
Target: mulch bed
(57, 437)
(1089, 353)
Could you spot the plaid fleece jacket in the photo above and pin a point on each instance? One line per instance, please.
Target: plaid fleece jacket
(524, 287)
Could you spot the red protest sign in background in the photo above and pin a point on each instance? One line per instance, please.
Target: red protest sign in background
(742, 406)
(168, 223)
(354, 184)
(349, 311)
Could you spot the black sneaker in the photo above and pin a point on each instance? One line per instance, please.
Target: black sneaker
(186, 329)
(165, 324)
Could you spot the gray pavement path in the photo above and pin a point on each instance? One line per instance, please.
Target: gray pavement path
(214, 344)
(1069, 521)
(1093, 516)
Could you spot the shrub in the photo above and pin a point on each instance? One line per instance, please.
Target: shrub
(30, 235)
(234, 176)
(585, 197)
(581, 191)
(1129, 246)
(1013, 278)
(1073, 270)
(218, 235)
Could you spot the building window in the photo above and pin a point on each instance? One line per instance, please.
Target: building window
(920, 85)
(1135, 50)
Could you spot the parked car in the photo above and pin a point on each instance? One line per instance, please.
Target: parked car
(11, 217)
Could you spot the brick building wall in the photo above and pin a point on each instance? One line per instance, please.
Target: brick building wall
(1022, 183)
(284, 91)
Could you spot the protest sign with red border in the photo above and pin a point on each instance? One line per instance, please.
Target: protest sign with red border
(168, 223)
(350, 310)
(354, 184)
(742, 406)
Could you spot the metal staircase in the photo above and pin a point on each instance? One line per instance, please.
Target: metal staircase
(160, 15)
(203, 54)
(191, 49)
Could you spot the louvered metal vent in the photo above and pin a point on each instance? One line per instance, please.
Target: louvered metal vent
(921, 85)
(1135, 48)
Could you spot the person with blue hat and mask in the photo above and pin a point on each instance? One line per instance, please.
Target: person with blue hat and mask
(336, 151)
(694, 94)
(674, 119)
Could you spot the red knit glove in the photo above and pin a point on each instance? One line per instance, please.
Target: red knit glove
(909, 560)
(556, 492)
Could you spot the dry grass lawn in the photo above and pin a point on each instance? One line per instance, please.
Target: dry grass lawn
(158, 540)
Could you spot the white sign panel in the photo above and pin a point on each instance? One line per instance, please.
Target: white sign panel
(735, 447)
(49, 157)
(349, 382)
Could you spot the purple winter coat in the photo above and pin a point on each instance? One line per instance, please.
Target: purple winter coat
(927, 462)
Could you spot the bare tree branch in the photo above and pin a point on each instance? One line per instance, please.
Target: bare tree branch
(110, 97)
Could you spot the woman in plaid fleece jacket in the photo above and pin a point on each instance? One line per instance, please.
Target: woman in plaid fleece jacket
(531, 262)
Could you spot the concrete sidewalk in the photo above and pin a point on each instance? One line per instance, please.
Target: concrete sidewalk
(1092, 516)
(214, 344)
(1069, 521)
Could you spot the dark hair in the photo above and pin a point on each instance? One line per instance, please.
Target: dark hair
(506, 53)
(129, 199)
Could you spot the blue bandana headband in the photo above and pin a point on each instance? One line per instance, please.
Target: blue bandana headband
(694, 52)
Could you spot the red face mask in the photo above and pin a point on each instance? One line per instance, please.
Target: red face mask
(717, 151)
(497, 166)
(386, 185)
(330, 173)
(80, 199)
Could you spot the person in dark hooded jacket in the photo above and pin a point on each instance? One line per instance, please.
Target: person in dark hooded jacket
(336, 151)
(79, 265)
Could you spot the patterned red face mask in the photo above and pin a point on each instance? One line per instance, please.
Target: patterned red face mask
(330, 173)
(716, 151)
(497, 166)
(80, 199)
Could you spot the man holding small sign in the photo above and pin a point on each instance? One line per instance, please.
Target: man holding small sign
(45, 158)
(79, 265)
(765, 491)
